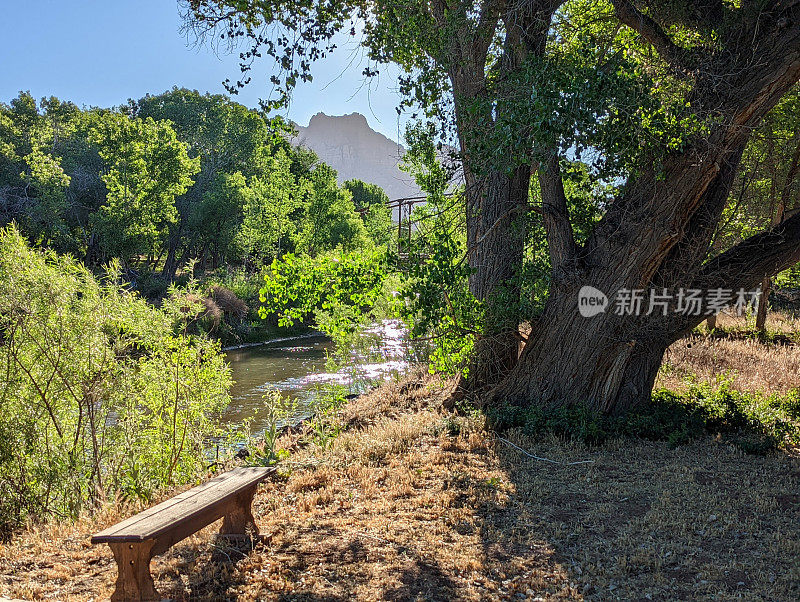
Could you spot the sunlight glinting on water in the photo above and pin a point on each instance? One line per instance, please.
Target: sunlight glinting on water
(297, 371)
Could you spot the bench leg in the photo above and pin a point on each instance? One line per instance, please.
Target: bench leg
(240, 515)
(134, 581)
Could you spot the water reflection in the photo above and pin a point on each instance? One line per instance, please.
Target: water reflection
(296, 367)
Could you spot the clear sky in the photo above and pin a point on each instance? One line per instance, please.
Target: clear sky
(103, 52)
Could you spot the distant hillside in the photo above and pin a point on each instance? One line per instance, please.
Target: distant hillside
(355, 150)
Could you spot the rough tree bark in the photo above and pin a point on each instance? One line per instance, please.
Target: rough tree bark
(496, 238)
(496, 197)
(657, 233)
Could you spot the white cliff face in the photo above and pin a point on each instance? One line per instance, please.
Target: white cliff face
(355, 150)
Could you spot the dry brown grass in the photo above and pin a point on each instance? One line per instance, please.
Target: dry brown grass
(228, 302)
(412, 503)
(736, 355)
(778, 322)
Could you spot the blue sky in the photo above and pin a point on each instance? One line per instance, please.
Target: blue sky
(102, 52)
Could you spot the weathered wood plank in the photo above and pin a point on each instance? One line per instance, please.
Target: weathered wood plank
(134, 581)
(185, 511)
(136, 540)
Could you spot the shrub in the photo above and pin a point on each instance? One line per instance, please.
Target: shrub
(755, 423)
(212, 313)
(199, 314)
(228, 302)
(151, 286)
(236, 294)
(243, 284)
(337, 290)
(103, 395)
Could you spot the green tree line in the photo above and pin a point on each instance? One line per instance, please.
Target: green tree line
(173, 177)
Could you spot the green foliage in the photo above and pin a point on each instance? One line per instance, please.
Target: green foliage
(147, 167)
(49, 183)
(34, 150)
(244, 179)
(434, 297)
(790, 278)
(330, 220)
(337, 290)
(277, 410)
(370, 202)
(271, 211)
(103, 395)
(227, 136)
(753, 422)
(174, 177)
(217, 219)
(767, 178)
(325, 420)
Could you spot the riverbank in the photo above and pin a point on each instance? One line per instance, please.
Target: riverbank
(275, 338)
(412, 502)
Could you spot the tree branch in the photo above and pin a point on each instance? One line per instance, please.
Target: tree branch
(487, 25)
(746, 264)
(555, 216)
(674, 55)
(688, 254)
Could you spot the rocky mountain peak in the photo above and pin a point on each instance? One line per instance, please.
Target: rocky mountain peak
(349, 145)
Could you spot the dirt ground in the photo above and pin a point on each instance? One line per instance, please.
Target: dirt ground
(413, 503)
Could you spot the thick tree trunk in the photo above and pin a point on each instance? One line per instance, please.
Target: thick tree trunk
(609, 362)
(496, 232)
(496, 239)
(497, 198)
(597, 362)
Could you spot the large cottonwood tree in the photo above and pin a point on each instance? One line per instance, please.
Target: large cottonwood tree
(507, 70)
(657, 232)
(457, 56)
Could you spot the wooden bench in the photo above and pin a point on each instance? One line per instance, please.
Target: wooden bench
(136, 540)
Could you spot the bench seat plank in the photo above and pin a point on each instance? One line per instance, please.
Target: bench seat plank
(185, 508)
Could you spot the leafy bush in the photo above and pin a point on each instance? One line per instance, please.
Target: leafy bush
(151, 286)
(235, 292)
(102, 394)
(336, 290)
(277, 410)
(755, 423)
(434, 296)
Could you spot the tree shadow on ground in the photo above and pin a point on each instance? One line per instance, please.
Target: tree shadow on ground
(459, 513)
(418, 579)
(210, 571)
(643, 520)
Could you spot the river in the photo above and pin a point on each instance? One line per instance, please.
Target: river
(297, 368)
